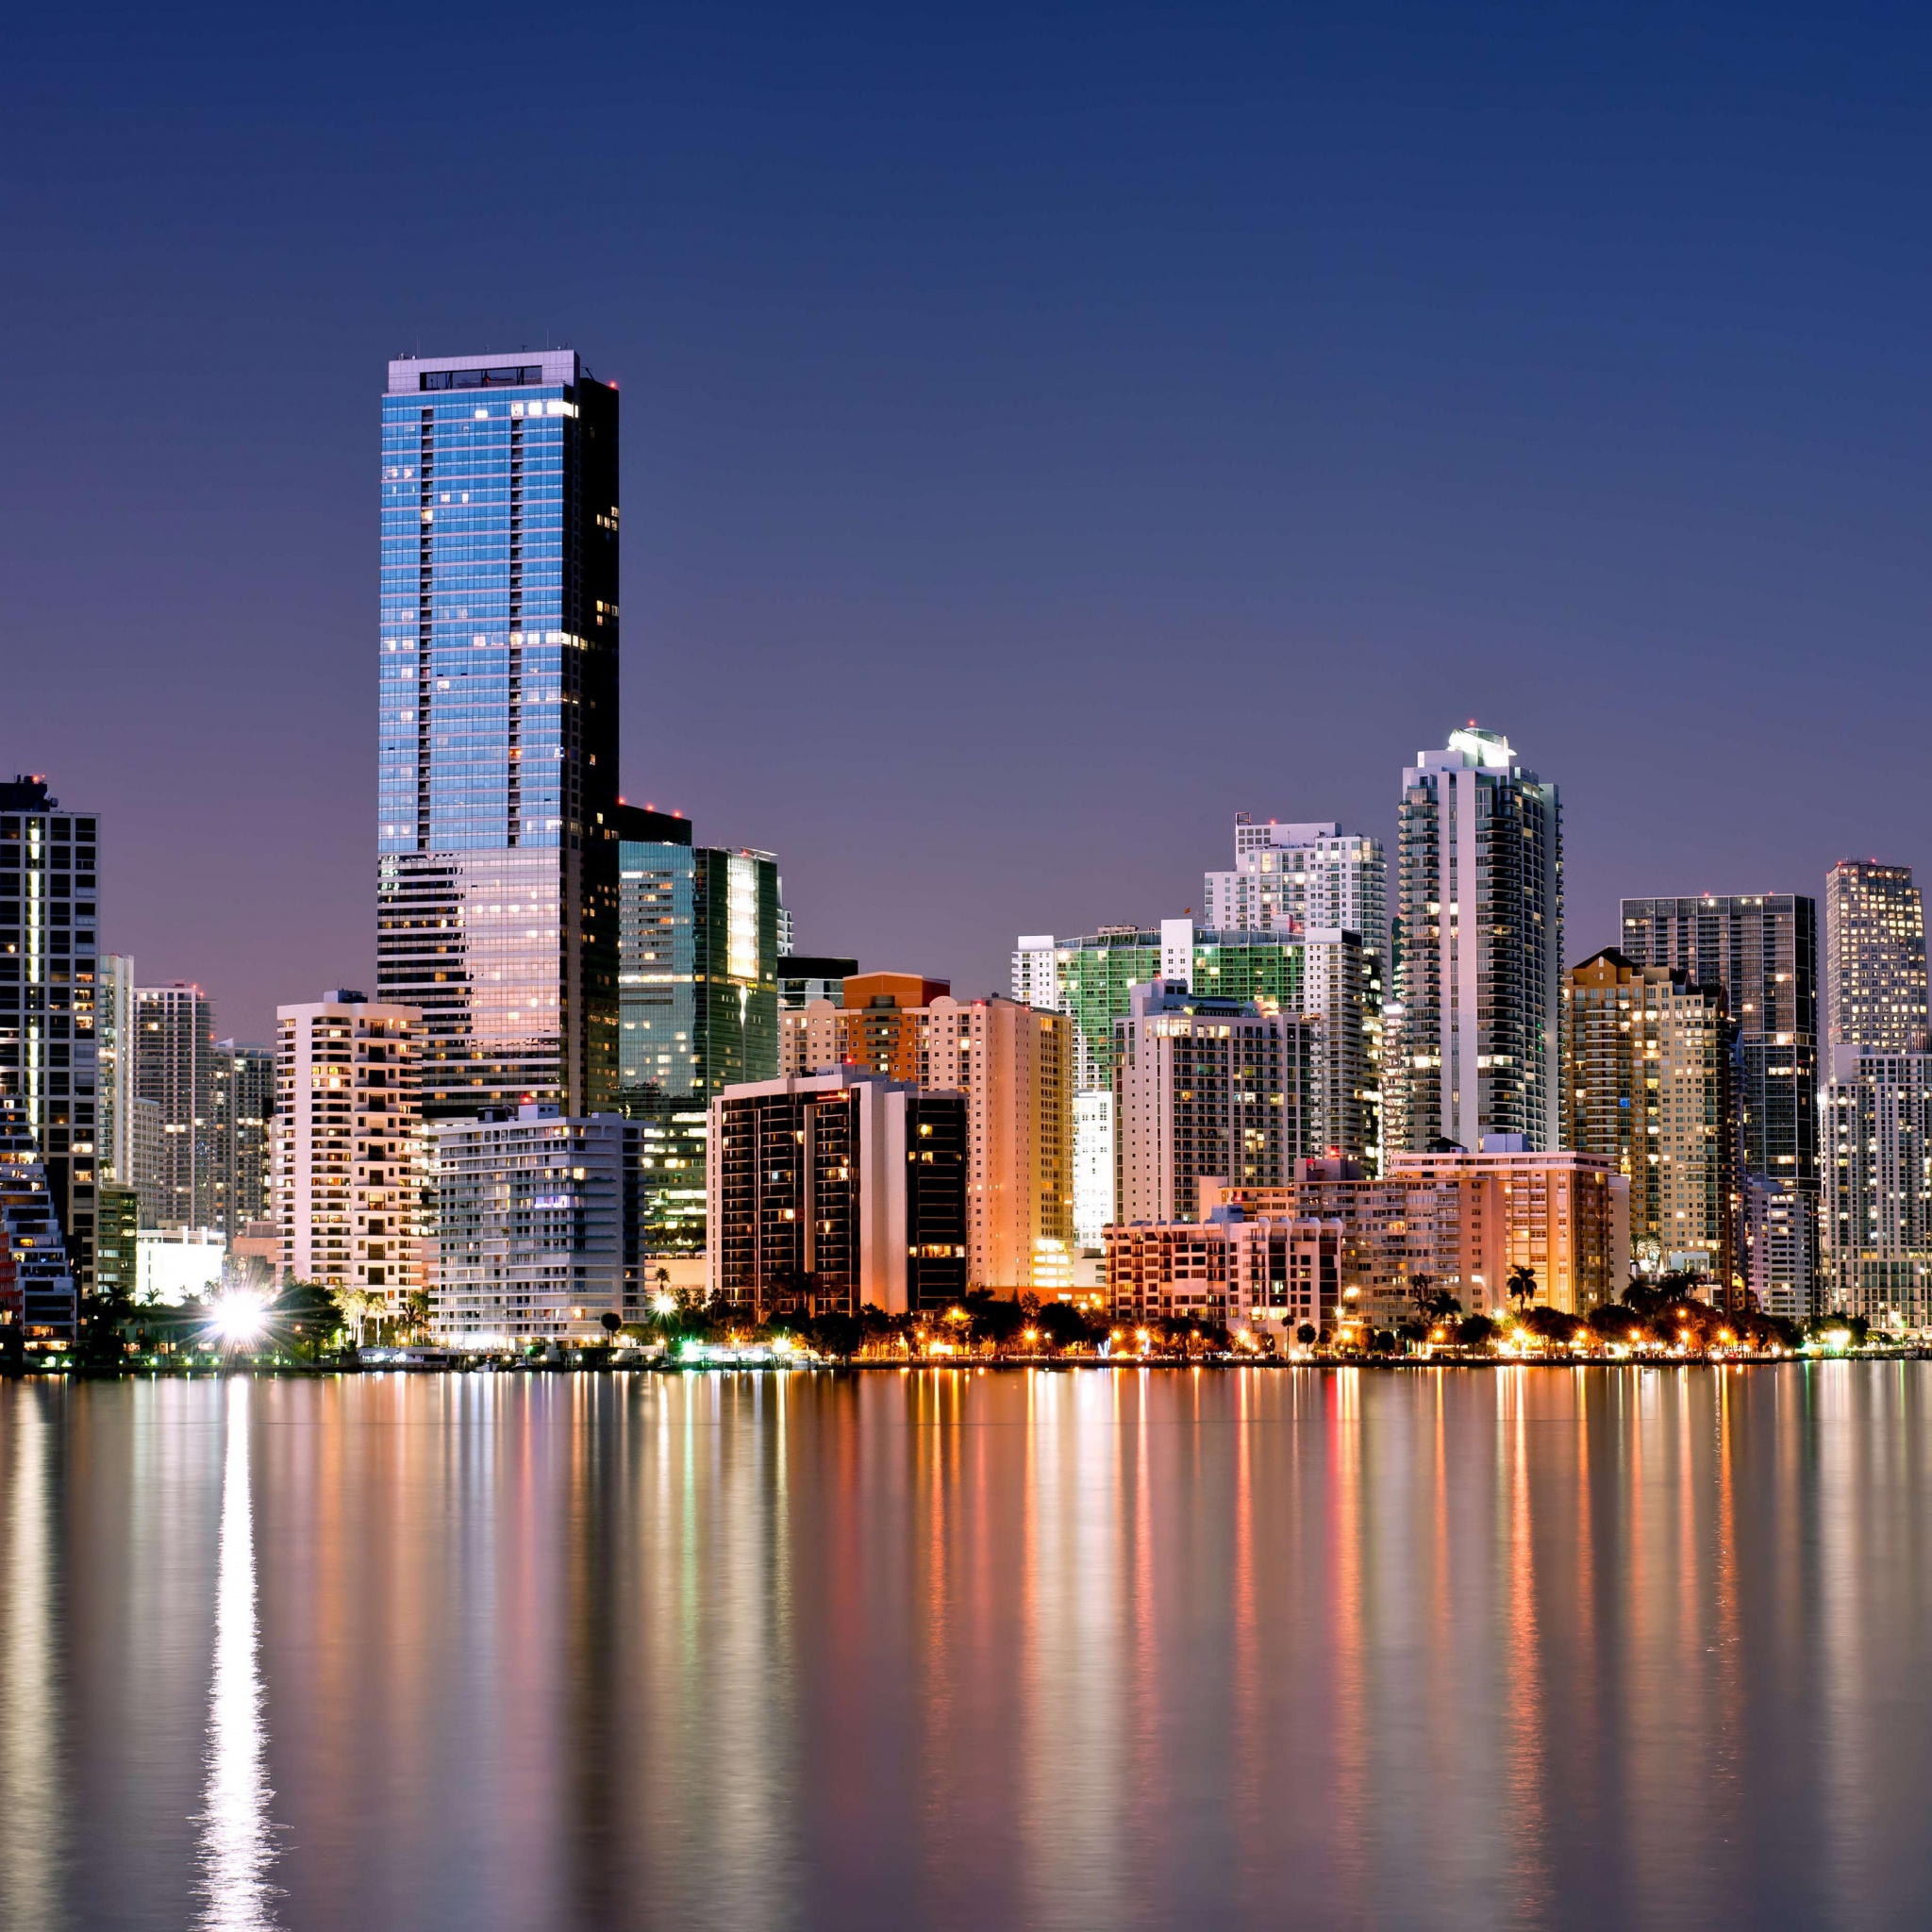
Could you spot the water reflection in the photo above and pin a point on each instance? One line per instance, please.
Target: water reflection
(237, 1846)
(1056, 1649)
(32, 1814)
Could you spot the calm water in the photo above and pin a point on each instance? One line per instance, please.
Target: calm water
(1462, 1649)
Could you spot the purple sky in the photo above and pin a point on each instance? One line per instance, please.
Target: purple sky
(1048, 431)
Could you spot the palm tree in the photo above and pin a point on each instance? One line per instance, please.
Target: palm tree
(358, 1305)
(414, 1310)
(1521, 1285)
(1422, 1291)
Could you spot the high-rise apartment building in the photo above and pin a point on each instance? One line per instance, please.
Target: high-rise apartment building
(114, 1051)
(697, 1003)
(243, 1109)
(1647, 1085)
(1877, 1186)
(1295, 876)
(348, 1152)
(1205, 1086)
(497, 875)
(1013, 1064)
(117, 1243)
(832, 1191)
(1762, 950)
(37, 1286)
(175, 1070)
(534, 1227)
(1478, 947)
(1874, 957)
(49, 902)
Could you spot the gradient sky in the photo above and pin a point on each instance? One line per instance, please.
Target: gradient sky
(1048, 430)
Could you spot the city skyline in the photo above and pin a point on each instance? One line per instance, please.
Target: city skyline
(1331, 387)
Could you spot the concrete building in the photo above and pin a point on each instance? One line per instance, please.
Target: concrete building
(1478, 947)
(38, 1288)
(148, 1144)
(114, 1032)
(117, 1251)
(531, 1227)
(1877, 1178)
(1874, 957)
(1093, 1168)
(1266, 1276)
(1207, 1087)
(1342, 988)
(49, 929)
(1014, 1066)
(175, 1069)
(1648, 1086)
(1762, 950)
(833, 1190)
(496, 887)
(1781, 1244)
(348, 1152)
(1292, 878)
(244, 1106)
(1465, 1222)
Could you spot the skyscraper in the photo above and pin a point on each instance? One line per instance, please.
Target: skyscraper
(697, 1003)
(1874, 957)
(1762, 950)
(1647, 1054)
(1478, 948)
(114, 1030)
(1294, 876)
(1878, 1185)
(243, 1120)
(48, 902)
(497, 876)
(175, 1070)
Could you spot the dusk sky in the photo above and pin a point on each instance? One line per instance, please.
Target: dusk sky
(1048, 430)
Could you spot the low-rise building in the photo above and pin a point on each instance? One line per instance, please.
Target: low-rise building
(1465, 1222)
(832, 1191)
(179, 1264)
(1268, 1274)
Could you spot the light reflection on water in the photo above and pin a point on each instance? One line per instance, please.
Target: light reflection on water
(236, 1850)
(1058, 1650)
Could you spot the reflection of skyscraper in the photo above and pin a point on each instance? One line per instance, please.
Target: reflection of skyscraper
(1874, 957)
(497, 912)
(1480, 952)
(47, 928)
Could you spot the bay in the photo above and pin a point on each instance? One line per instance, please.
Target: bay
(1086, 1648)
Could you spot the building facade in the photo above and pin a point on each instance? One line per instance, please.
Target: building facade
(117, 1248)
(1208, 1086)
(830, 1192)
(115, 1025)
(1293, 878)
(49, 953)
(1479, 947)
(497, 868)
(1271, 1277)
(531, 1220)
(697, 1004)
(1464, 1223)
(1762, 951)
(243, 1109)
(348, 1152)
(1877, 1194)
(39, 1291)
(175, 1070)
(1648, 1086)
(1874, 957)
(1013, 1065)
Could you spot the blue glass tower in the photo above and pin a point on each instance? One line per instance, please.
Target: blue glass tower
(498, 887)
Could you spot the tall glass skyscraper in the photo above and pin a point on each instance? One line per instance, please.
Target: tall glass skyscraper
(497, 890)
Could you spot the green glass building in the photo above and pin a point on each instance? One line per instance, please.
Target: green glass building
(697, 995)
